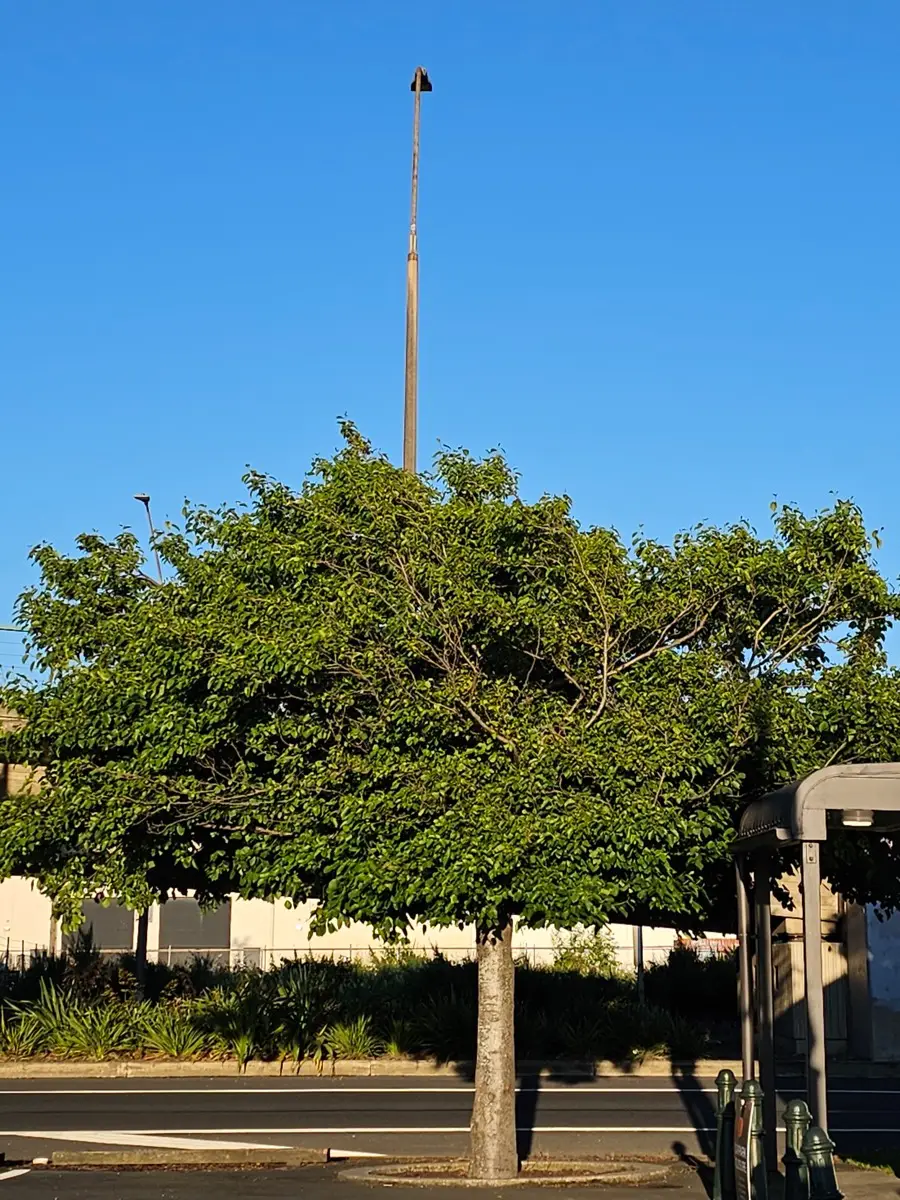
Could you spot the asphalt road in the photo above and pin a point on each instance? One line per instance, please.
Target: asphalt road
(393, 1117)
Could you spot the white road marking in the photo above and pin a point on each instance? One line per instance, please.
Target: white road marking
(14, 1174)
(333, 1152)
(153, 1140)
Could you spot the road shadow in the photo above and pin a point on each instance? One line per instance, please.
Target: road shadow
(529, 1084)
(704, 1170)
(698, 1106)
(531, 1075)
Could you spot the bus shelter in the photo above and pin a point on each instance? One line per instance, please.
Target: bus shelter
(857, 796)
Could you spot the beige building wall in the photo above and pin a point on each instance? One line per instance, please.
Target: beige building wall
(264, 932)
(279, 929)
(25, 921)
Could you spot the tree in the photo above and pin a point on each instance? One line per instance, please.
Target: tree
(77, 722)
(423, 698)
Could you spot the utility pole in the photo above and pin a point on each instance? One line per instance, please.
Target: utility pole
(421, 83)
(143, 917)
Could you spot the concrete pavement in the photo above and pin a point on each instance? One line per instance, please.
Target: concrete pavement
(322, 1183)
(325, 1183)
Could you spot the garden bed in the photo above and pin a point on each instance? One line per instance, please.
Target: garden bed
(307, 1015)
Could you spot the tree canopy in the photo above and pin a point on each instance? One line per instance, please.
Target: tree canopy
(423, 697)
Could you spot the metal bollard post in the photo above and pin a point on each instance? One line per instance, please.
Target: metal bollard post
(759, 1173)
(751, 1180)
(797, 1120)
(723, 1177)
(818, 1150)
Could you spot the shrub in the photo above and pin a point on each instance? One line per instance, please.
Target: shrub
(354, 1039)
(97, 1031)
(171, 1030)
(446, 1026)
(306, 1001)
(21, 1034)
(316, 1009)
(235, 1021)
(694, 987)
(400, 1040)
(399, 955)
(72, 1028)
(586, 952)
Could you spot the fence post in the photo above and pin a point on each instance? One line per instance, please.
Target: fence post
(797, 1120)
(723, 1178)
(818, 1150)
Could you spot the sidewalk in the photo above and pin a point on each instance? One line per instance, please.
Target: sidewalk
(326, 1184)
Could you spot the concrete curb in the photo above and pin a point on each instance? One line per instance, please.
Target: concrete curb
(384, 1068)
(376, 1068)
(187, 1158)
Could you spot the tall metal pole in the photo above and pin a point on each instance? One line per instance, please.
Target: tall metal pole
(637, 937)
(420, 84)
(143, 917)
(816, 1083)
(765, 987)
(748, 1065)
(144, 499)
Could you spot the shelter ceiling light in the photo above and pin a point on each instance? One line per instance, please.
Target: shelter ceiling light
(858, 818)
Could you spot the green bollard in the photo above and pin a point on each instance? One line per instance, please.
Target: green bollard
(797, 1120)
(751, 1179)
(723, 1178)
(759, 1172)
(818, 1150)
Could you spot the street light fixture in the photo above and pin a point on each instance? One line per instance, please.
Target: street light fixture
(143, 498)
(421, 83)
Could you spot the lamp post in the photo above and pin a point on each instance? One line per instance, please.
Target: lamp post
(144, 499)
(421, 83)
(143, 917)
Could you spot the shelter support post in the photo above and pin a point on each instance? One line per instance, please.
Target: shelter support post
(816, 1083)
(765, 986)
(746, 984)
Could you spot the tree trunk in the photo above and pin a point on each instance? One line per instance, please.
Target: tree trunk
(493, 1140)
(140, 954)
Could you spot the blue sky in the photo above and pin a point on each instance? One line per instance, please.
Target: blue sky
(659, 252)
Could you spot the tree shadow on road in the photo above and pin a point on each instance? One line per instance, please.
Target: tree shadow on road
(698, 1105)
(703, 1170)
(530, 1076)
(529, 1083)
